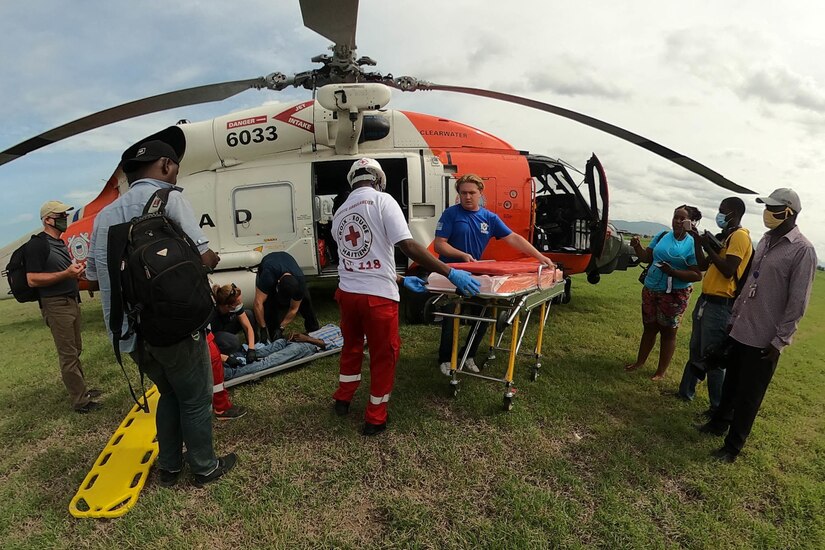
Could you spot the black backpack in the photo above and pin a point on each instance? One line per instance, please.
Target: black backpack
(16, 271)
(158, 279)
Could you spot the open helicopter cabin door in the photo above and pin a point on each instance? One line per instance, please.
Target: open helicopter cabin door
(565, 214)
(331, 190)
(266, 208)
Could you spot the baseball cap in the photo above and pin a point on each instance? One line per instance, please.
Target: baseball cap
(147, 151)
(784, 196)
(54, 207)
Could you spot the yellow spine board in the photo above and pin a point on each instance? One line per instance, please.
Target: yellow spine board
(112, 486)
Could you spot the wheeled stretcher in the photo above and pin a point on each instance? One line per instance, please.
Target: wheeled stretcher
(508, 290)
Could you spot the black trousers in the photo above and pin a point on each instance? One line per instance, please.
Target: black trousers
(274, 313)
(746, 381)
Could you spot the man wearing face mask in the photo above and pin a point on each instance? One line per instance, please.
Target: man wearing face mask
(725, 269)
(764, 319)
(52, 271)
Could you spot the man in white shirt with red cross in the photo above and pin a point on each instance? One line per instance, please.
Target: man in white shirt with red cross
(367, 228)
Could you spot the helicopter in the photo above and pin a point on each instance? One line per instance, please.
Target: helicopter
(265, 179)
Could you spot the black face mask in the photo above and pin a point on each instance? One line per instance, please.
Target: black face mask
(61, 224)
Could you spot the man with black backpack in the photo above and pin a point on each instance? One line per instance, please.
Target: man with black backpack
(726, 262)
(178, 364)
(52, 272)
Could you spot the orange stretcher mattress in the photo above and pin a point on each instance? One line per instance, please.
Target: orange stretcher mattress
(498, 268)
(500, 277)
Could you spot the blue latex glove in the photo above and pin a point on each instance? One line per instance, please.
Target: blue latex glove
(415, 284)
(464, 282)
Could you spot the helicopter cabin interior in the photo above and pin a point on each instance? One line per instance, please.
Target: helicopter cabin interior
(563, 216)
(332, 189)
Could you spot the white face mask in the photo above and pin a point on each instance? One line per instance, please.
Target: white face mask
(238, 308)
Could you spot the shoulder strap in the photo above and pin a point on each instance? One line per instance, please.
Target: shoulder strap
(118, 238)
(158, 201)
(736, 279)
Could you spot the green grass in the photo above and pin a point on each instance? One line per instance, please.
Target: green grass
(590, 456)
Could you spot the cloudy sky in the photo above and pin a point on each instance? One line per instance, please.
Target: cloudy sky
(738, 86)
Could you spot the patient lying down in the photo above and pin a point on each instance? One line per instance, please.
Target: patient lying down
(283, 350)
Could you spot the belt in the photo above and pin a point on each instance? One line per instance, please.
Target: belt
(70, 296)
(723, 300)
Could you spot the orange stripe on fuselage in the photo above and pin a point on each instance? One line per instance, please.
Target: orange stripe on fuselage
(508, 187)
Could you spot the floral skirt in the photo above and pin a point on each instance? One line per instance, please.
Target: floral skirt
(665, 309)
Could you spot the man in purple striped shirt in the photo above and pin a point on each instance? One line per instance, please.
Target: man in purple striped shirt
(764, 319)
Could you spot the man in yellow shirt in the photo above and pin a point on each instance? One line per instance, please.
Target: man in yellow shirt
(726, 268)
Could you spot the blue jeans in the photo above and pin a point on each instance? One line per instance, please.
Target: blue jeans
(277, 353)
(710, 322)
(183, 375)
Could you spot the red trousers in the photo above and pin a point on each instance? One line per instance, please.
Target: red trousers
(220, 397)
(377, 319)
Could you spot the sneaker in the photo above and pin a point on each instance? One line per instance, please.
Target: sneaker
(89, 407)
(445, 368)
(470, 365)
(225, 463)
(233, 412)
(341, 407)
(91, 394)
(373, 429)
(712, 429)
(168, 478)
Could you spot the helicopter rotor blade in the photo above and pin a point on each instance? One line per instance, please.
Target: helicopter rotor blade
(411, 84)
(333, 19)
(162, 102)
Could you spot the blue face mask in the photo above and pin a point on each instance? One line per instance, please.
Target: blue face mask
(721, 220)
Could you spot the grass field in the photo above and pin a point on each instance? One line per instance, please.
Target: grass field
(590, 456)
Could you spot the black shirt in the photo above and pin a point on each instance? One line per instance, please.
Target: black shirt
(273, 267)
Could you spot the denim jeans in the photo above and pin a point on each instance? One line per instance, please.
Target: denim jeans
(277, 353)
(710, 322)
(183, 375)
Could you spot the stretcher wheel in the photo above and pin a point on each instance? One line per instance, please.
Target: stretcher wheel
(453, 390)
(535, 374)
(508, 403)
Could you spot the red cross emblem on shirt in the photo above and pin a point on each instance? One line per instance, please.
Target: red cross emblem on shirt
(352, 236)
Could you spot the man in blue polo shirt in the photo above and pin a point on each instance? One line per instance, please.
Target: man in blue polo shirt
(462, 235)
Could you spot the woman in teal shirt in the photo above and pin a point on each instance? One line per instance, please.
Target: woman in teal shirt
(667, 287)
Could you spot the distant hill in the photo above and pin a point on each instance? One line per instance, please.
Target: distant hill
(640, 228)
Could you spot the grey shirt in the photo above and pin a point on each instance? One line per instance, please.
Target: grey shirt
(46, 254)
(123, 209)
(776, 294)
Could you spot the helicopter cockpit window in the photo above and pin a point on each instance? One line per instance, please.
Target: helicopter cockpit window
(259, 210)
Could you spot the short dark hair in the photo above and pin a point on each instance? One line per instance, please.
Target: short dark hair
(289, 288)
(736, 205)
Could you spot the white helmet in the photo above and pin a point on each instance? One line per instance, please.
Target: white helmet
(367, 169)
